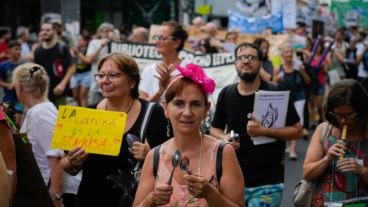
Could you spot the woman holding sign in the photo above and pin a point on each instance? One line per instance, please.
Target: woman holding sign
(108, 180)
(337, 159)
(31, 83)
(201, 180)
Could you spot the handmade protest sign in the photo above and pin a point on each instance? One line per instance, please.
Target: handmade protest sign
(96, 131)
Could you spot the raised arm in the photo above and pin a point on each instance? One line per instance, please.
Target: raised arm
(315, 164)
(316, 160)
(163, 77)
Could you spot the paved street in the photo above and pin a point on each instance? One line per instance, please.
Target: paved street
(293, 172)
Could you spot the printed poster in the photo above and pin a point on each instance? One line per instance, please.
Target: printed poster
(270, 108)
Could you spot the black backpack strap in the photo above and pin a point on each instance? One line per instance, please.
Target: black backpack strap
(36, 53)
(272, 86)
(219, 160)
(229, 91)
(156, 159)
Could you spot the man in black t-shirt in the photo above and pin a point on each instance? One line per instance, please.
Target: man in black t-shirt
(55, 57)
(262, 165)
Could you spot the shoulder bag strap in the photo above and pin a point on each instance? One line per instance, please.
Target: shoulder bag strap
(156, 159)
(219, 160)
(326, 131)
(146, 118)
(148, 111)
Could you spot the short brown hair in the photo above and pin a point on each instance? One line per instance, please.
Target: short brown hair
(127, 65)
(177, 87)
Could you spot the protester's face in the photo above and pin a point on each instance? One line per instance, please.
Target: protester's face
(247, 69)
(197, 23)
(264, 47)
(320, 49)
(8, 36)
(187, 110)
(345, 115)
(232, 38)
(104, 33)
(339, 36)
(82, 42)
(113, 82)
(15, 52)
(26, 35)
(47, 32)
(166, 43)
(287, 54)
(138, 36)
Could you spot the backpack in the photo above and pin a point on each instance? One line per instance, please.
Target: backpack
(59, 72)
(156, 160)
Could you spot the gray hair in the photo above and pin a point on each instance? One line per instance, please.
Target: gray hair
(21, 30)
(106, 25)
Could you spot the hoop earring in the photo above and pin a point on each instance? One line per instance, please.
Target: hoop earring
(168, 128)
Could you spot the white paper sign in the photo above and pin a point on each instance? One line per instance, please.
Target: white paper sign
(270, 108)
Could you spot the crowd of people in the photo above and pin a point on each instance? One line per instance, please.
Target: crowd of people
(328, 81)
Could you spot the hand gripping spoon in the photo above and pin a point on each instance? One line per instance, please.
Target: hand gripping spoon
(176, 159)
(184, 165)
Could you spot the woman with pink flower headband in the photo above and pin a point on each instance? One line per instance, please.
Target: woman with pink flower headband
(155, 77)
(209, 173)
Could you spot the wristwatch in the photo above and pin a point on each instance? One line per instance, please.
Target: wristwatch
(58, 196)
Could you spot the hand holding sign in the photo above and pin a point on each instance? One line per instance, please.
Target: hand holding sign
(73, 161)
(254, 127)
(93, 130)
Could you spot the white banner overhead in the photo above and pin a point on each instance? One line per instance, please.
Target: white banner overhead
(219, 66)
